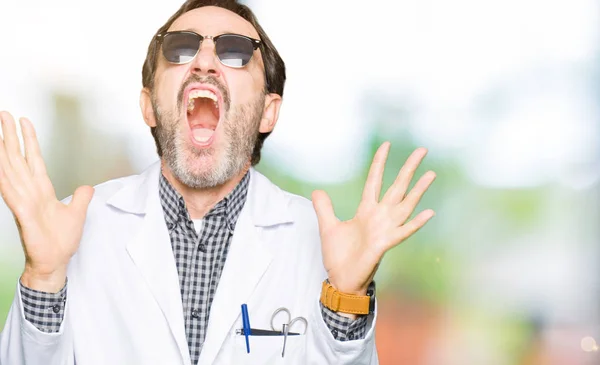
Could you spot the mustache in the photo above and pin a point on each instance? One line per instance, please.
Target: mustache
(210, 80)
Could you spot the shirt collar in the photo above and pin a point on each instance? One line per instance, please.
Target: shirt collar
(174, 206)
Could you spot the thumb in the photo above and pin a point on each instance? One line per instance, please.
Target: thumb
(81, 199)
(324, 209)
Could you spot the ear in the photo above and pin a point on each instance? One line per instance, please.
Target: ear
(146, 107)
(270, 113)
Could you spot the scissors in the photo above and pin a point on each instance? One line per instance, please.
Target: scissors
(285, 327)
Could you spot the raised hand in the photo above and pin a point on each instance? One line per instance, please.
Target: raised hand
(50, 230)
(353, 249)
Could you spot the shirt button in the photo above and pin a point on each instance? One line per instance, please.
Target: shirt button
(195, 313)
(334, 332)
(56, 308)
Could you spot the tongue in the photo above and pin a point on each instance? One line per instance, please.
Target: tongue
(202, 135)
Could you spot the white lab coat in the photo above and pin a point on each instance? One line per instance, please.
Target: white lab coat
(124, 302)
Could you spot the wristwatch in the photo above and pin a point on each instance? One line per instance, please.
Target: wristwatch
(348, 303)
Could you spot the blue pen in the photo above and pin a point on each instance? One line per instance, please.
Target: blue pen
(246, 325)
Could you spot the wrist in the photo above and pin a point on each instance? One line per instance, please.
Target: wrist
(346, 289)
(352, 304)
(348, 315)
(359, 292)
(51, 282)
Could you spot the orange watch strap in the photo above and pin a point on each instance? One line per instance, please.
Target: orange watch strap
(345, 303)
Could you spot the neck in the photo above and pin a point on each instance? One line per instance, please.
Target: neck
(201, 201)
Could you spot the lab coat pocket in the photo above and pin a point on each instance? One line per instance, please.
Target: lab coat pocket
(268, 349)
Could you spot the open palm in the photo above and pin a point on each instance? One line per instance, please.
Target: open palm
(352, 249)
(50, 230)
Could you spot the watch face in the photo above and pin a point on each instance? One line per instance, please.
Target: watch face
(371, 294)
(371, 289)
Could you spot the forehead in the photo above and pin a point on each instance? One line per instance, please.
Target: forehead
(213, 20)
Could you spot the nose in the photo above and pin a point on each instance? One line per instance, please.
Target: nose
(205, 62)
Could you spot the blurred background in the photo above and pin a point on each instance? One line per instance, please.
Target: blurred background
(504, 93)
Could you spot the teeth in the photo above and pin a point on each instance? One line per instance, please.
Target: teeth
(201, 94)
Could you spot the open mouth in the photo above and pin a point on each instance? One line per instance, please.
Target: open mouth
(203, 115)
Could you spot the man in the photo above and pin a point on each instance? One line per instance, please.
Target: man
(154, 268)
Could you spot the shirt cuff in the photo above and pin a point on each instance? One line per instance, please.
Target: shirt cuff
(343, 328)
(44, 310)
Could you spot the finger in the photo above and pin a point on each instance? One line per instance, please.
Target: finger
(81, 199)
(410, 228)
(33, 155)
(11, 141)
(372, 188)
(10, 174)
(4, 163)
(13, 152)
(6, 189)
(397, 191)
(408, 205)
(324, 209)
(34, 159)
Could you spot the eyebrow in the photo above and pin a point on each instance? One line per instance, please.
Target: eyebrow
(225, 32)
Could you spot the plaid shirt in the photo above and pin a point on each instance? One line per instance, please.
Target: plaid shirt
(200, 258)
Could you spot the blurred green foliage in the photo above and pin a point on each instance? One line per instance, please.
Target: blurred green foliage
(9, 274)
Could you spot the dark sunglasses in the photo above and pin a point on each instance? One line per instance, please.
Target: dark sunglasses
(233, 50)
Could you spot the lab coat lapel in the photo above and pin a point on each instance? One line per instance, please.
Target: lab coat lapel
(152, 254)
(151, 251)
(247, 260)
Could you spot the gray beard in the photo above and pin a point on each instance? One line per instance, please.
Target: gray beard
(240, 127)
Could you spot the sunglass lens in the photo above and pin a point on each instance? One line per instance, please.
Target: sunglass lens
(234, 51)
(180, 47)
